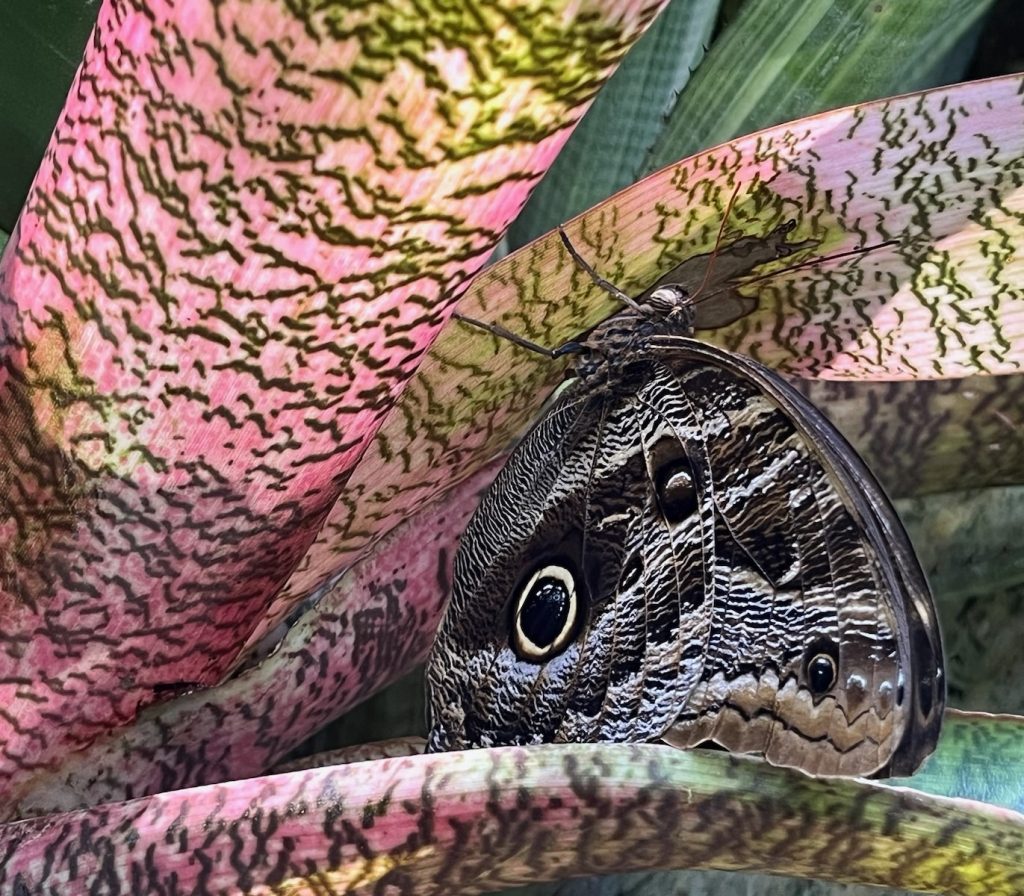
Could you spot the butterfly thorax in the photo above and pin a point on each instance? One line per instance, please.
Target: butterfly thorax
(622, 347)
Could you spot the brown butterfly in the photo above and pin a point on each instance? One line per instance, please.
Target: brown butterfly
(683, 548)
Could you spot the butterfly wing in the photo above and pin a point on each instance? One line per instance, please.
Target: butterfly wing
(691, 552)
(824, 651)
(603, 509)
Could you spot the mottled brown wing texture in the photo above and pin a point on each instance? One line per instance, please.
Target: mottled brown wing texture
(824, 652)
(578, 505)
(684, 548)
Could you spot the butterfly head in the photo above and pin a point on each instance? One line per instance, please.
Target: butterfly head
(672, 307)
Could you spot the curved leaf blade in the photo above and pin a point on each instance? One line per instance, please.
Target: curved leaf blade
(364, 631)
(249, 227)
(610, 147)
(778, 61)
(473, 821)
(947, 301)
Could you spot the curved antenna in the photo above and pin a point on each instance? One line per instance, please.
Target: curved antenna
(609, 288)
(718, 242)
(567, 348)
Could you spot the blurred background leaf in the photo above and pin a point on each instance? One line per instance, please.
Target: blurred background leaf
(41, 44)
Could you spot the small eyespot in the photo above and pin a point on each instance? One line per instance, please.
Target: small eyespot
(821, 666)
(677, 495)
(821, 673)
(545, 615)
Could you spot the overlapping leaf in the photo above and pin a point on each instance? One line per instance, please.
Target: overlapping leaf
(250, 224)
(475, 391)
(474, 821)
(937, 174)
(364, 632)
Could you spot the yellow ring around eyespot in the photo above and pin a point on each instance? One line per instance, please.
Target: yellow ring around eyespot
(527, 648)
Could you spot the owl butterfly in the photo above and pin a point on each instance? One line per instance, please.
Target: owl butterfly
(684, 549)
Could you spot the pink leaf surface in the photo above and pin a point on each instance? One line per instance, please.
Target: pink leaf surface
(364, 632)
(483, 819)
(249, 226)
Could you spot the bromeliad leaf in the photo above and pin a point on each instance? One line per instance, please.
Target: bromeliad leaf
(249, 227)
(474, 821)
(773, 61)
(366, 630)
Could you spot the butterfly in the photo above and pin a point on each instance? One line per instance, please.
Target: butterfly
(684, 549)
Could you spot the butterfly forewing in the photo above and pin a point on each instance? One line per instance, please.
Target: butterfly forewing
(684, 548)
(583, 497)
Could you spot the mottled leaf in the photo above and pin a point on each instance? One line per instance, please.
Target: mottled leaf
(923, 436)
(610, 148)
(478, 820)
(978, 757)
(365, 631)
(776, 60)
(476, 392)
(249, 226)
(939, 174)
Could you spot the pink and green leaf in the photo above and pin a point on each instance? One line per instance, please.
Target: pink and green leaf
(250, 224)
(378, 620)
(468, 401)
(478, 820)
(363, 632)
(784, 59)
(933, 172)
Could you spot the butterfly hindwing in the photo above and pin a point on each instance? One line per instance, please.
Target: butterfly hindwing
(813, 592)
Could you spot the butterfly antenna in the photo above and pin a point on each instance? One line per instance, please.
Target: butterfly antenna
(609, 288)
(499, 331)
(718, 242)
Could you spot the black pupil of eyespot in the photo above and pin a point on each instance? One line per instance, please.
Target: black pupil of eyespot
(821, 674)
(676, 493)
(544, 611)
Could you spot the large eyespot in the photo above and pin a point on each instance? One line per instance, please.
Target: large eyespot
(821, 666)
(545, 614)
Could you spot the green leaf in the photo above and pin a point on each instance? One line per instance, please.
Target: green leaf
(971, 438)
(610, 147)
(979, 757)
(40, 48)
(786, 59)
(774, 62)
